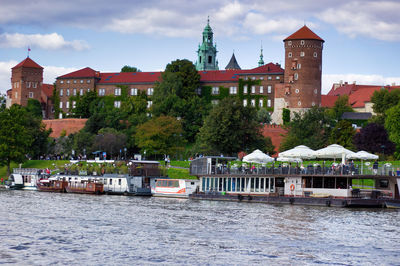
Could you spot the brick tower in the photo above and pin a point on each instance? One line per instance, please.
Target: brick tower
(26, 82)
(303, 68)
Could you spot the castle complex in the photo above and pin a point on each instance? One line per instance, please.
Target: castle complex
(297, 87)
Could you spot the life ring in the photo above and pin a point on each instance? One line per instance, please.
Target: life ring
(291, 187)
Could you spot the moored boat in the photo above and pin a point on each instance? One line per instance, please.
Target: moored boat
(85, 187)
(392, 205)
(174, 188)
(25, 178)
(52, 185)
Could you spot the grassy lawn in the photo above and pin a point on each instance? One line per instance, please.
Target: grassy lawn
(179, 173)
(41, 164)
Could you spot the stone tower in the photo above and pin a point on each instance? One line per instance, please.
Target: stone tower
(303, 69)
(207, 52)
(261, 61)
(26, 82)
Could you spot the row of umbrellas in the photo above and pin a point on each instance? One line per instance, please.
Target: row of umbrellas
(297, 154)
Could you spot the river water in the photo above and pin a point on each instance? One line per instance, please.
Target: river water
(48, 228)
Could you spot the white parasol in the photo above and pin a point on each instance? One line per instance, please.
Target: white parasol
(257, 156)
(300, 151)
(333, 151)
(363, 155)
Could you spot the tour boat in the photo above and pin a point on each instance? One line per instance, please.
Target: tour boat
(292, 185)
(52, 185)
(174, 188)
(24, 178)
(85, 187)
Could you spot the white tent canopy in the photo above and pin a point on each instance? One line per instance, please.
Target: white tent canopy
(257, 156)
(289, 159)
(333, 151)
(363, 155)
(300, 151)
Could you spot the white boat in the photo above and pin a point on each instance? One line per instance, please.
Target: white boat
(174, 188)
(25, 178)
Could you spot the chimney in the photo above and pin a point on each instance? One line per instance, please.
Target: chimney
(354, 83)
(345, 83)
(341, 82)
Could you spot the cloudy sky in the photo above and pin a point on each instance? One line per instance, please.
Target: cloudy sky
(362, 38)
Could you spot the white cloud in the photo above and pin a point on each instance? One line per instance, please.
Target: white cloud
(49, 74)
(51, 41)
(378, 20)
(261, 24)
(329, 79)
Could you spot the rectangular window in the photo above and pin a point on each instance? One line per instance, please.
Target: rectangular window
(198, 91)
(298, 66)
(215, 90)
(269, 77)
(150, 91)
(74, 81)
(61, 105)
(88, 89)
(245, 102)
(233, 90)
(88, 81)
(302, 54)
(81, 81)
(245, 89)
(253, 78)
(67, 92)
(261, 89)
(102, 92)
(68, 81)
(133, 91)
(61, 92)
(74, 92)
(261, 103)
(214, 102)
(16, 94)
(149, 104)
(269, 88)
(117, 91)
(253, 89)
(30, 94)
(117, 104)
(28, 84)
(34, 85)
(269, 103)
(67, 104)
(253, 102)
(61, 81)
(81, 92)
(261, 78)
(73, 104)
(278, 77)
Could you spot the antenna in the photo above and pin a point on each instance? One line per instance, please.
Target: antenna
(29, 49)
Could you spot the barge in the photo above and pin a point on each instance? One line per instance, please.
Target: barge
(317, 186)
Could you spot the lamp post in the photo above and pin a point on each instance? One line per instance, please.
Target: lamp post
(125, 153)
(84, 153)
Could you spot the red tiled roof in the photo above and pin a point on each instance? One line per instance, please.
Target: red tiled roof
(129, 77)
(358, 94)
(28, 63)
(48, 89)
(328, 100)
(86, 72)
(205, 75)
(304, 34)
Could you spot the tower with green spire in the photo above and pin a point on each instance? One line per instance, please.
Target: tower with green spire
(207, 52)
(261, 61)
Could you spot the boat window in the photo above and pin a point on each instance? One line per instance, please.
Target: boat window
(329, 182)
(110, 181)
(383, 183)
(317, 182)
(266, 184)
(262, 185)
(192, 183)
(119, 181)
(105, 181)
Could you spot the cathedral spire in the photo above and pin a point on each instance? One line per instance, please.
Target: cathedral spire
(207, 52)
(261, 61)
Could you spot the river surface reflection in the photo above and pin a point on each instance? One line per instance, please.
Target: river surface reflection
(49, 228)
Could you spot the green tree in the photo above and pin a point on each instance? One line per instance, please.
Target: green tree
(83, 142)
(34, 108)
(263, 116)
(2, 102)
(230, 128)
(341, 105)
(175, 95)
(15, 137)
(86, 104)
(392, 125)
(160, 135)
(374, 138)
(127, 68)
(109, 140)
(384, 100)
(286, 116)
(343, 134)
(312, 128)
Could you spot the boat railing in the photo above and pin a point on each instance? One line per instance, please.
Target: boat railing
(386, 170)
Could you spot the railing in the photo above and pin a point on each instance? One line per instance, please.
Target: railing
(309, 170)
